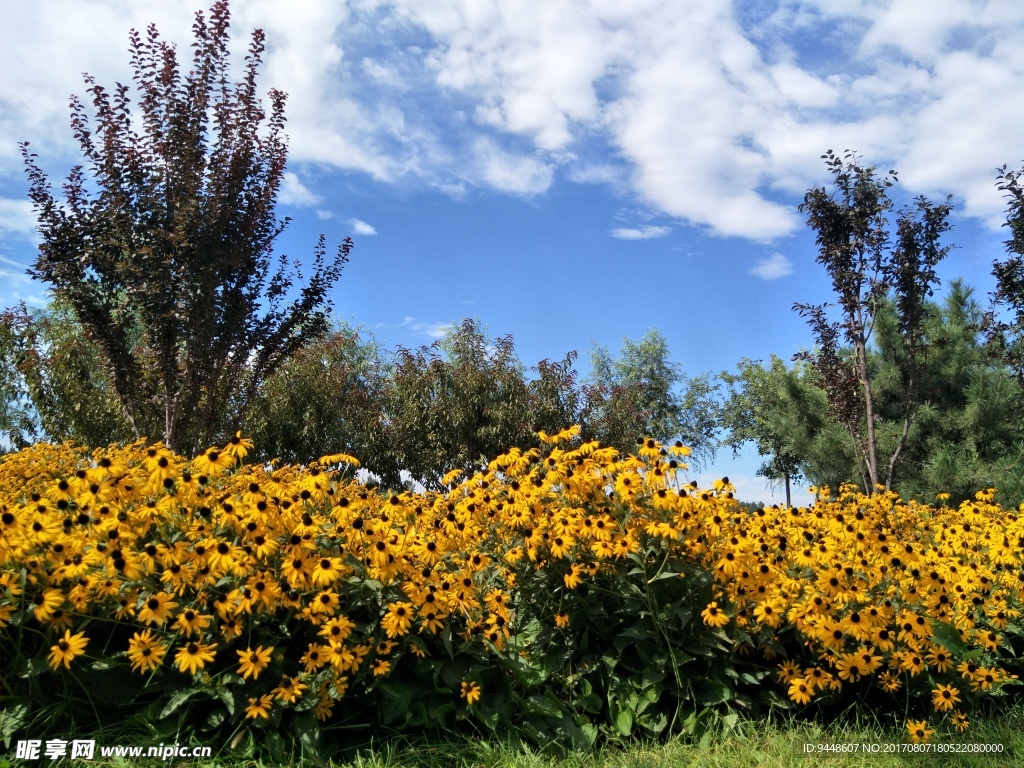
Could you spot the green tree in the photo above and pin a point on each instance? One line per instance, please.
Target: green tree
(61, 381)
(856, 249)
(19, 425)
(966, 435)
(643, 393)
(328, 398)
(782, 411)
(1006, 336)
(174, 249)
(460, 399)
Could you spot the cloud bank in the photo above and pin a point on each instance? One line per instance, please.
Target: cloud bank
(711, 112)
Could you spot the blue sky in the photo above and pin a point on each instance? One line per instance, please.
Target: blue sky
(572, 172)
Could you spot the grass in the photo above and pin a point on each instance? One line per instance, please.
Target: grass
(751, 744)
(748, 744)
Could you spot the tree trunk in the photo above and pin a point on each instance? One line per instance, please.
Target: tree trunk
(869, 413)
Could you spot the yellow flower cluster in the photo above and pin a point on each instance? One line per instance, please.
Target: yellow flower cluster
(878, 589)
(193, 555)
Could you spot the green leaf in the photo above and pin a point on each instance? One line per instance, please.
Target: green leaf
(446, 638)
(948, 637)
(177, 700)
(11, 719)
(308, 730)
(227, 695)
(730, 721)
(638, 631)
(624, 722)
(708, 692)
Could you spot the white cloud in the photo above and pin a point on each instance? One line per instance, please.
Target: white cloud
(362, 228)
(294, 192)
(509, 172)
(773, 267)
(17, 217)
(428, 331)
(690, 108)
(645, 232)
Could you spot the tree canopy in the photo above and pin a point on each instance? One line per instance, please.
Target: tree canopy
(163, 244)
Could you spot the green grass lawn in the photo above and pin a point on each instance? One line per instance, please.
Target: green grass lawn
(748, 744)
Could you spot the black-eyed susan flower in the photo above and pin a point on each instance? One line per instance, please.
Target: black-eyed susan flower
(788, 670)
(327, 571)
(398, 619)
(190, 622)
(145, 652)
(800, 690)
(193, 656)
(714, 616)
(919, 731)
(945, 697)
(213, 462)
(890, 681)
(156, 609)
(238, 447)
(572, 576)
(959, 721)
(67, 648)
(260, 707)
(850, 668)
(337, 630)
(252, 662)
(470, 691)
(315, 657)
(46, 603)
(289, 689)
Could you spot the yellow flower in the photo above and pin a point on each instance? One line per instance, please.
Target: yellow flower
(714, 616)
(800, 690)
(960, 721)
(213, 462)
(289, 689)
(398, 619)
(470, 692)
(945, 697)
(339, 458)
(381, 667)
(157, 609)
(337, 630)
(260, 707)
(145, 652)
(769, 612)
(919, 731)
(67, 648)
(47, 603)
(890, 682)
(561, 620)
(251, 663)
(238, 446)
(190, 622)
(315, 657)
(194, 656)
(572, 576)
(788, 671)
